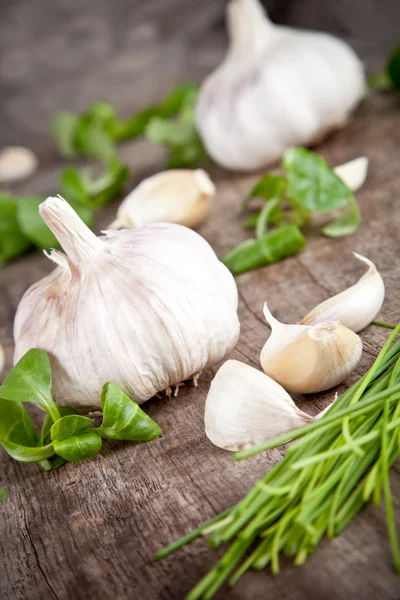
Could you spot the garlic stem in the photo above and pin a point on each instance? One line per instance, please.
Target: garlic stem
(78, 242)
(249, 29)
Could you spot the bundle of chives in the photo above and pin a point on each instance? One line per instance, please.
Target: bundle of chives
(339, 463)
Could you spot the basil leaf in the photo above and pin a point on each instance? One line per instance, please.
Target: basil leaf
(73, 186)
(78, 447)
(313, 183)
(45, 435)
(12, 241)
(30, 381)
(393, 67)
(15, 424)
(251, 221)
(109, 186)
(346, 224)
(64, 128)
(69, 426)
(123, 419)
(273, 246)
(27, 454)
(93, 141)
(264, 218)
(3, 494)
(267, 187)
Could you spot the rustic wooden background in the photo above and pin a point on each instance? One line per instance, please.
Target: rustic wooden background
(90, 529)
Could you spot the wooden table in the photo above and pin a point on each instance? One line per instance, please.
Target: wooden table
(89, 530)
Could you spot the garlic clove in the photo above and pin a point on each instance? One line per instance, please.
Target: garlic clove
(245, 407)
(355, 307)
(179, 196)
(309, 358)
(16, 163)
(353, 173)
(2, 359)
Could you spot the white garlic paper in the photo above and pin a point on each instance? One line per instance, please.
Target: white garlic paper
(277, 87)
(144, 308)
(245, 407)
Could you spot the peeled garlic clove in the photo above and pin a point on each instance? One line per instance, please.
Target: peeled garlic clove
(309, 358)
(2, 359)
(353, 173)
(283, 87)
(16, 163)
(144, 308)
(178, 196)
(245, 407)
(357, 306)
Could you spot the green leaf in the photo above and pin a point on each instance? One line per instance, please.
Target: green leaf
(12, 241)
(313, 183)
(393, 67)
(347, 223)
(273, 246)
(267, 187)
(69, 426)
(27, 454)
(3, 494)
(251, 221)
(16, 424)
(64, 128)
(78, 447)
(266, 213)
(30, 381)
(93, 141)
(123, 419)
(45, 434)
(109, 186)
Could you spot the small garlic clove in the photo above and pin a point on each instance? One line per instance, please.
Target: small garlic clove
(355, 307)
(245, 407)
(353, 173)
(16, 163)
(309, 358)
(181, 196)
(2, 359)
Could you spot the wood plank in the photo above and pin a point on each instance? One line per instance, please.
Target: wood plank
(89, 530)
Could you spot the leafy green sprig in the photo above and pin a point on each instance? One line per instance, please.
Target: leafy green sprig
(310, 186)
(338, 464)
(389, 79)
(65, 435)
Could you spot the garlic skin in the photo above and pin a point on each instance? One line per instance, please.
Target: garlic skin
(309, 358)
(355, 307)
(353, 173)
(277, 87)
(16, 163)
(144, 308)
(180, 196)
(2, 359)
(245, 407)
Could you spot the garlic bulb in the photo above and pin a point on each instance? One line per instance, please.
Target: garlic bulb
(16, 163)
(309, 358)
(357, 306)
(2, 359)
(277, 87)
(245, 407)
(353, 173)
(178, 196)
(144, 308)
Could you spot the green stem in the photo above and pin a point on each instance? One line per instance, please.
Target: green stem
(386, 325)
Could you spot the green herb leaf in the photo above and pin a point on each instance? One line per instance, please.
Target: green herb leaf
(45, 434)
(64, 130)
(251, 221)
(69, 426)
(347, 223)
(28, 454)
(393, 67)
(15, 424)
(30, 381)
(266, 213)
(93, 141)
(3, 494)
(251, 254)
(313, 183)
(12, 241)
(123, 419)
(267, 187)
(78, 447)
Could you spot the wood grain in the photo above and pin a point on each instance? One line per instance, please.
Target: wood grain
(89, 530)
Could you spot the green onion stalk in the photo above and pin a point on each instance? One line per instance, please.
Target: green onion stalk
(337, 464)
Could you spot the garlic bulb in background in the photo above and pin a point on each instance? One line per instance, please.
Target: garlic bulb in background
(2, 359)
(353, 173)
(277, 87)
(178, 196)
(357, 306)
(16, 163)
(245, 407)
(309, 358)
(145, 309)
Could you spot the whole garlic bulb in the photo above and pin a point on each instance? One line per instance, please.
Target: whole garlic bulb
(144, 308)
(245, 407)
(309, 358)
(277, 87)
(180, 196)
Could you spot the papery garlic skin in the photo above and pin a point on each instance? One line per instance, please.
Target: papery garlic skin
(353, 173)
(16, 163)
(181, 196)
(307, 359)
(355, 307)
(245, 407)
(144, 308)
(277, 87)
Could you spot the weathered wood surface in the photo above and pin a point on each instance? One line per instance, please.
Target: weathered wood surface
(89, 530)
